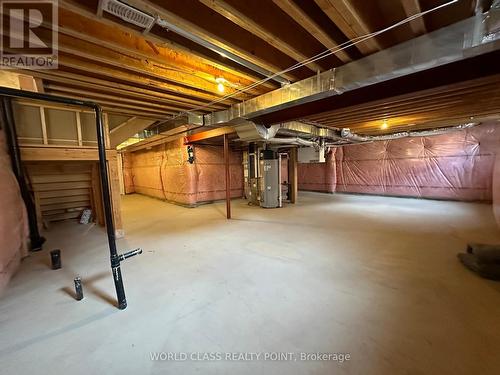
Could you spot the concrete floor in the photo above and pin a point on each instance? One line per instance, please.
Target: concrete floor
(374, 277)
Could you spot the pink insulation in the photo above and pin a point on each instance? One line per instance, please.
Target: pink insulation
(164, 172)
(318, 176)
(210, 170)
(496, 189)
(128, 178)
(456, 165)
(13, 220)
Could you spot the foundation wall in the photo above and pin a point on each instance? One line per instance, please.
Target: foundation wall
(456, 166)
(164, 172)
(13, 219)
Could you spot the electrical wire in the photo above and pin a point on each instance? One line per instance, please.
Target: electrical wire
(319, 56)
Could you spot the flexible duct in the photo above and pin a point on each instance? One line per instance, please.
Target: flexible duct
(296, 141)
(347, 135)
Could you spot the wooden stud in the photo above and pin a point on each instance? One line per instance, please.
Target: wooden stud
(79, 128)
(106, 131)
(97, 194)
(44, 126)
(114, 185)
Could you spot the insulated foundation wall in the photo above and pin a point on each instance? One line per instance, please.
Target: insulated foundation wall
(13, 220)
(320, 177)
(164, 172)
(457, 166)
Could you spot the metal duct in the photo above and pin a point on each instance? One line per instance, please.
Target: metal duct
(346, 134)
(128, 13)
(446, 45)
(294, 141)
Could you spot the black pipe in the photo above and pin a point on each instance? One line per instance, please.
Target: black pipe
(108, 213)
(36, 240)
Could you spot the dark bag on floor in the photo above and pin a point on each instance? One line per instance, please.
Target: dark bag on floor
(483, 260)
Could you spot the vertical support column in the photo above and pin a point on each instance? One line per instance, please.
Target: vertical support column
(79, 128)
(114, 187)
(228, 176)
(107, 141)
(43, 121)
(97, 195)
(292, 175)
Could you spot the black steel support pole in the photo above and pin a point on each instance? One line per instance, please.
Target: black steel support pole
(36, 240)
(228, 176)
(108, 213)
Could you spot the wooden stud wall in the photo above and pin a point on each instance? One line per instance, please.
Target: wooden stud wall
(62, 190)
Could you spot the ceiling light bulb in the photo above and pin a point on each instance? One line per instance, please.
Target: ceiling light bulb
(220, 87)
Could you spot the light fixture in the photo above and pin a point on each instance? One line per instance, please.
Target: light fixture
(220, 84)
(384, 125)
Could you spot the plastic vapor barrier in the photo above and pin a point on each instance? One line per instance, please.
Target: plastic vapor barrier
(164, 172)
(13, 221)
(457, 165)
(318, 176)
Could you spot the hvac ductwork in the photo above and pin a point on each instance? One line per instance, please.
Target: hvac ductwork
(350, 137)
(453, 43)
(309, 135)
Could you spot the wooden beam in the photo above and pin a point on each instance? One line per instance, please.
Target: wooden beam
(33, 153)
(117, 105)
(86, 82)
(81, 23)
(412, 7)
(228, 176)
(154, 9)
(245, 22)
(349, 22)
(88, 57)
(297, 14)
(92, 94)
(127, 61)
(131, 77)
(123, 124)
(208, 134)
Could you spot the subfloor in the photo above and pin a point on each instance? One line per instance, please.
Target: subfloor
(376, 278)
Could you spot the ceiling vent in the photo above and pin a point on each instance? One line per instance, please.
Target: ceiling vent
(128, 13)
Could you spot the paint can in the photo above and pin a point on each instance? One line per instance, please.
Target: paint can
(78, 288)
(55, 257)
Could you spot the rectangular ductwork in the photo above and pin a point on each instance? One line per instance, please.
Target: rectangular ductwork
(128, 13)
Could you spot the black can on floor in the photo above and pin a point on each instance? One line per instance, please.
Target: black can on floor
(55, 257)
(78, 288)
